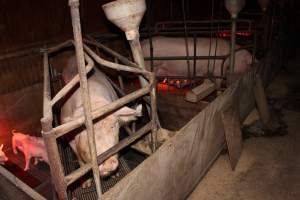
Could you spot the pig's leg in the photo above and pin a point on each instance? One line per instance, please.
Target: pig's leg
(14, 146)
(27, 159)
(36, 161)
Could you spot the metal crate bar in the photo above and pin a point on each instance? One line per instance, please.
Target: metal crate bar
(121, 58)
(73, 82)
(78, 173)
(124, 143)
(86, 101)
(56, 168)
(50, 134)
(67, 127)
(115, 66)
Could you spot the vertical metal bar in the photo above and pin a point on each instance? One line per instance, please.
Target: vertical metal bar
(56, 168)
(195, 54)
(74, 6)
(186, 39)
(138, 56)
(232, 46)
(150, 33)
(120, 79)
(154, 118)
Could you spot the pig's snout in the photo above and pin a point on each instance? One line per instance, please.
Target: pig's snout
(109, 166)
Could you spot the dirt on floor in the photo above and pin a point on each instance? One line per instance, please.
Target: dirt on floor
(269, 167)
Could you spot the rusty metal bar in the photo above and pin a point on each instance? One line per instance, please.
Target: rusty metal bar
(121, 58)
(71, 178)
(232, 45)
(67, 127)
(56, 168)
(47, 110)
(60, 46)
(154, 118)
(20, 184)
(74, 7)
(57, 173)
(124, 143)
(137, 54)
(73, 82)
(114, 65)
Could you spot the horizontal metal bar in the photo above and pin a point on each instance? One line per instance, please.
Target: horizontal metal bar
(69, 126)
(60, 46)
(112, 65)
(190, 33)
(71, 178)
(121, 58)
(20, 184)
(186, 77)
(124, 143)
(187, 57)
(73, 82)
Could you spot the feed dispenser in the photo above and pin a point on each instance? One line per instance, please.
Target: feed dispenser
(127, 15)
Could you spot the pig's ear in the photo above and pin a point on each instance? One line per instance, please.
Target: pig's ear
(1, 147)
(126, 111)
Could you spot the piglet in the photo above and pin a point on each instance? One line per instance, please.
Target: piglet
(3, 157)
(32, 147)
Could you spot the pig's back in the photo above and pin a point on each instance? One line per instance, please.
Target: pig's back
(176, 46)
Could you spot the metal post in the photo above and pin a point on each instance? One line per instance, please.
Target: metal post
(232, 45)
(137, 53)
(74, 6)
(154, 118)
(56, 168)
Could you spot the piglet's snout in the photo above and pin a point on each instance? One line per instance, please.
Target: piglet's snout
(109, 166)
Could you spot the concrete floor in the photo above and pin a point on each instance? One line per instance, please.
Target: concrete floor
(269, 168)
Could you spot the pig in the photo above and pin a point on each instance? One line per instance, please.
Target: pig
(107, 129)
(3, 157)
(32, 147)
(171, 46)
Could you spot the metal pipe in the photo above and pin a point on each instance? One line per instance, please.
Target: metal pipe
(195, 54)
(124, 143)
(154, 119)
(84, 90)
(75, 175)
(120, 79)
(60, 46)
(73, 82)
(56, 168)
(69, 126)
(114, 65)
(57, 173)
(186, 38)
(20, 184)
(137, 54)
(121, 58)
(232, 45)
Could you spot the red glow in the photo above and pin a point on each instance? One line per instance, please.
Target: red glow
(240, 33)
(178, 87)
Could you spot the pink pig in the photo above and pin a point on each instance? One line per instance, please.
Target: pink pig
(3, 157)
(32, 147)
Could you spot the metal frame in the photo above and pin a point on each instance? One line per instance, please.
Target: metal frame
(194, 29)
(51, 134)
